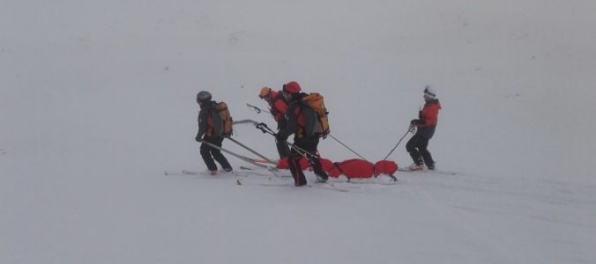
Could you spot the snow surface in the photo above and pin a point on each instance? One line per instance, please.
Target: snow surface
(97, 101)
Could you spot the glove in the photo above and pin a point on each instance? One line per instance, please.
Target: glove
(198, 139)
(414, 121)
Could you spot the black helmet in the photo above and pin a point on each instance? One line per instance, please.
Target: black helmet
(203, 96)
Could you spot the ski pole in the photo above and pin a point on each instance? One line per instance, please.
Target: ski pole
(257, 109)
(244, 121)
(347, 147)
(265, 129)
(302, 152)
(251, 150)
(410, 129)
(244, 158)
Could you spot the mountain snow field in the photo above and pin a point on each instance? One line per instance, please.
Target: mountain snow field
(97, 103)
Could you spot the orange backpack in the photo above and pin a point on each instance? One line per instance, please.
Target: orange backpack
(223, 119)
(317, 103)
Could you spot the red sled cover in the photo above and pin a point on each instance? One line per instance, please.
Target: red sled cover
(328, 167)
(354, 168)
(385, 167)
(282, 164)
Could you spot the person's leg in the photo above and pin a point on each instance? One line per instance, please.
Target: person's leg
(426, 156)
(297, 152)
(311, 145)
(315, 162)
(282, 148)
(218, 156)
(206, 155)
(412, 147)
(295, 169)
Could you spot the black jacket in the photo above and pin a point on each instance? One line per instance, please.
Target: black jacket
(208, 109)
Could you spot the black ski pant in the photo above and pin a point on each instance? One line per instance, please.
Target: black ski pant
(209, 153)
(417, 146)
(282, 147)
(302, 145)
(282, 143)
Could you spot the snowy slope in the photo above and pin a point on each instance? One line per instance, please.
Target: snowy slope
(97, 101)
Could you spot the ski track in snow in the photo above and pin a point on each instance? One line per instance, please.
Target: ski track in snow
(465, 229)
(514, 200)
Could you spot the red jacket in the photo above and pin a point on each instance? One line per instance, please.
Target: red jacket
(277, 105)
(430, 113)
(428, 117)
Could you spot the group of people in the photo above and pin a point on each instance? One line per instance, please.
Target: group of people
(288, 112)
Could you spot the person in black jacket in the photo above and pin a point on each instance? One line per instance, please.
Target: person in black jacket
(208, 117)
(300, 123)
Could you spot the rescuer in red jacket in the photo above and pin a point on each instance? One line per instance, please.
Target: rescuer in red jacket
(426, 124)
(300, 123)
(277, 107)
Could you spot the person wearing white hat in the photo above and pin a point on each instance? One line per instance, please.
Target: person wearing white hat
(426, 124)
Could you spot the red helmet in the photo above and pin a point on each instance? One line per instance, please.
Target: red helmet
(292, 87)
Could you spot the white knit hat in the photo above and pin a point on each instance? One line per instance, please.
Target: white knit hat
(430, 91)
